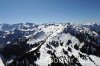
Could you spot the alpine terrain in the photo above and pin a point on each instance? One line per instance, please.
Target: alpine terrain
(60, 44)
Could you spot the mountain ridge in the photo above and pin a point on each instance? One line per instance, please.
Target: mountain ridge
(78, 45)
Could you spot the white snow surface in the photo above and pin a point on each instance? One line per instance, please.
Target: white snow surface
(55, 33)
(45, 59)
(1, 62)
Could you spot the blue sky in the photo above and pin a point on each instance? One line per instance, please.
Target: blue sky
(47, 11)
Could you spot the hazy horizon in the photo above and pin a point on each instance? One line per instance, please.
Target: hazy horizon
(49, 11)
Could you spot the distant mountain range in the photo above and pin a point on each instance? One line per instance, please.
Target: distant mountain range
(62, 44)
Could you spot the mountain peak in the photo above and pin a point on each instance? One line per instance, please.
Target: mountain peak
(74, 44)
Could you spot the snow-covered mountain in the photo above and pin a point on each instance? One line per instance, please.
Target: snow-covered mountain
(62, 44)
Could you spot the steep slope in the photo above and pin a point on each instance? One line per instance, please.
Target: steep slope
(57, 45)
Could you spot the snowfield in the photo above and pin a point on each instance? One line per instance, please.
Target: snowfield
(50, 45)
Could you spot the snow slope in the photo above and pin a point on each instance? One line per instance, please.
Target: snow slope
(1, 62)
(54, 45)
